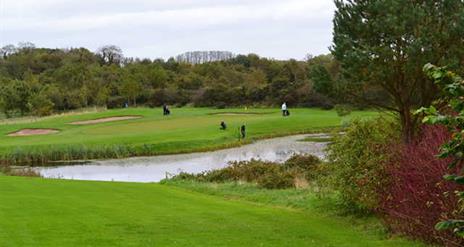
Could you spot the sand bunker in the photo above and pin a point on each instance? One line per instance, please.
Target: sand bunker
(33, 132)
(105, 120)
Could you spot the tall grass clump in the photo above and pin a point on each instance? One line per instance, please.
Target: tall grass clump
(43, 156)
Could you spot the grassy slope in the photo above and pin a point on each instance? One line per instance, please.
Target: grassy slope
(39, 212)
(188, 129)
(301, 199)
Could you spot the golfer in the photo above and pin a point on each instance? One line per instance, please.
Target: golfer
(223, 125)
(284, 109)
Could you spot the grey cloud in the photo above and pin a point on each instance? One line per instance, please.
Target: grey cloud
(143, 28)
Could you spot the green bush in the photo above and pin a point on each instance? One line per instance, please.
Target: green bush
(357, 163)
(306, 165)
(116, 102)
(343, 110)
(269, 175)
(248, 171)
(40, 105)
(280, 179)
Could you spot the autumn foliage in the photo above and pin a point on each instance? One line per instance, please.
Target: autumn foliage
(418, 197)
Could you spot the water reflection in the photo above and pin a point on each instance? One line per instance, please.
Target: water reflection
(154, 169)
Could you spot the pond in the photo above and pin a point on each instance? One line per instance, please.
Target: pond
(156, 168)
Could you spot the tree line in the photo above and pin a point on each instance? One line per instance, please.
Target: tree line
(41, 81)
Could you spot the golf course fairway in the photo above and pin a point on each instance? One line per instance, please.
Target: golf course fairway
(145, 131)
(40, 212)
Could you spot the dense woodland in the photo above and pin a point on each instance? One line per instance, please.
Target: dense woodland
(41, 81)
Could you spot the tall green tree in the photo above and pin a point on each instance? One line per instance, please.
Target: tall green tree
(322, 82)
(131, 89)
(383, 44)
(14, 97)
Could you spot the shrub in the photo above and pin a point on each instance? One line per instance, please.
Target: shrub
(221, 105)
(249, 171)
(269, 175)
(116, 102)
(318, 100)
(167, 96)
(357, 163)
(418, 197)
(452, 88)
(280, 179)
(219, 96)
(343, 110)
(306, 165)
(40, 105)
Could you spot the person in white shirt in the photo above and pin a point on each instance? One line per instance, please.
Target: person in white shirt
(284, 109)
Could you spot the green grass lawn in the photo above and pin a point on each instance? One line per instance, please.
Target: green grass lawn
(186, 130)
(40, 212)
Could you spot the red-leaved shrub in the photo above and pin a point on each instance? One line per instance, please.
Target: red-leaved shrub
(418, 196)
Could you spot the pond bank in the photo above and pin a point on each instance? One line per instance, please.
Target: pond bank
(156, 168)
(81, 153)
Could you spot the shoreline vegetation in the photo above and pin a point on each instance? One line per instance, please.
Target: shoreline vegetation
(194, 130)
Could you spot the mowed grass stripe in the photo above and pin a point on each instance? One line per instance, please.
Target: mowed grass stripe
(39, 212)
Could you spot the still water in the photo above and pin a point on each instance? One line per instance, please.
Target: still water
(156, 168)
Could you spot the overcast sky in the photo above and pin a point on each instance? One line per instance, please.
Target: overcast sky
(162, 28)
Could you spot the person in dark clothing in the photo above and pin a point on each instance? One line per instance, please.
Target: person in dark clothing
(223, 125)
(166, 110)
(243, 131)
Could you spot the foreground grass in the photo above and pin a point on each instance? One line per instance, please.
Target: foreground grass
(39, 212)
(187, 130)
(300, 199)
